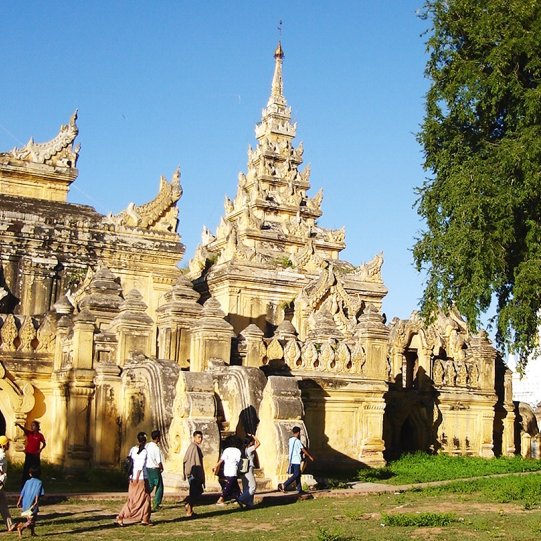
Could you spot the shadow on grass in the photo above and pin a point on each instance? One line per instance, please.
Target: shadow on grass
(204, 513)
(377, 474)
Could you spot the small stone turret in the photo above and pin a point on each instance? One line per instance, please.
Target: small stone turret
(211, 337)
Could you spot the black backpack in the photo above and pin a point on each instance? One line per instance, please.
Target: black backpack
(128, 466)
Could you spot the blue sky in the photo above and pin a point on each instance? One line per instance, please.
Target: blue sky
(166, 83)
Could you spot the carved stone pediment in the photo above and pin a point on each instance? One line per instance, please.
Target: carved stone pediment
(326, 300)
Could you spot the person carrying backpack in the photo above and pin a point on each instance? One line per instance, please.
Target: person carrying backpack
(246, 499)
(137, 508)
(297, 453)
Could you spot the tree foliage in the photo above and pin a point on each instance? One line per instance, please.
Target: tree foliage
(481, 137)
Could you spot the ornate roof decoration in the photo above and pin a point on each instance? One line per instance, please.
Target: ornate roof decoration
(58, 152)
(161, 213)
(371, 271)
(327, 295)
(448, 335)
(272, 220)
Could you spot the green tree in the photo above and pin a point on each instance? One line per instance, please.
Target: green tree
(481, 137)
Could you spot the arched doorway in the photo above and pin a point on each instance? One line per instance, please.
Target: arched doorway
(416, 429)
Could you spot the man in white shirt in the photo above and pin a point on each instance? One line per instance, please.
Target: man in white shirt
(154, 469)
(230, 458)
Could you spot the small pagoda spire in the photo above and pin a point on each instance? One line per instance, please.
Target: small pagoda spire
(277, 93)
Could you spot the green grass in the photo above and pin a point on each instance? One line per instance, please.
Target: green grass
(422, 468)
(419, 520)
(56, 480)
(442, 514)
(522, 490)
(483, 509)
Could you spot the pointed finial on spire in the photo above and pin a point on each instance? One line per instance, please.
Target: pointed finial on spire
(277, 93)
(279, 52)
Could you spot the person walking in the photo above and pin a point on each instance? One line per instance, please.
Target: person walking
(194, 472)
(230, 458)
(246, 499)
(4, 509)
(34, 445)
(155, 469)
(29, 500)
(137, 508)
(297, 453)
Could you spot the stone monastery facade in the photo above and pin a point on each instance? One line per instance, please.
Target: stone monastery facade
(102, 336)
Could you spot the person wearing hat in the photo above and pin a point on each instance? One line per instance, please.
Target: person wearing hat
(4, 509)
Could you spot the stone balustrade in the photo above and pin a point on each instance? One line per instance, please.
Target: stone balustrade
(27, 334)
(334, 356)
(450, 373)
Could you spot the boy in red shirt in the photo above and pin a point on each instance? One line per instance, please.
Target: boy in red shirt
(35, 443)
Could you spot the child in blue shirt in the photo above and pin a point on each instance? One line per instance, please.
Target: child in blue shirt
(28, 501)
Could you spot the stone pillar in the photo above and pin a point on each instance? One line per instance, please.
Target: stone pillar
(83, 340)
(281, 409)
(251, 346)
(103, 298)
(35, 284)
(194, 408)
(485, 355)
(525, 445)
(536, 447)
(487, 435)
(133, 327)
(373, 336)
(211, 337)
(80, 386)
(175, 319)
(508, 443)
(372, 445)
(106, 431)
(81, 390)
(58, 445)
(64, 324)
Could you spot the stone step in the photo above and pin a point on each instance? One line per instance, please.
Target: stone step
(262, 482)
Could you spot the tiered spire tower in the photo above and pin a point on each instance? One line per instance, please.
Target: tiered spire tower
(272, 221)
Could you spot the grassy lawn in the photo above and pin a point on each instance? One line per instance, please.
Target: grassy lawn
(55, 480)
(506, 508)
(422, 468)
(415, 468)
(499, 508)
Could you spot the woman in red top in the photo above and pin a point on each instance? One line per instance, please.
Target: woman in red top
(35, 443)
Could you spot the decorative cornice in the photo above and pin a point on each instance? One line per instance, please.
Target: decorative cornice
(161, 213)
